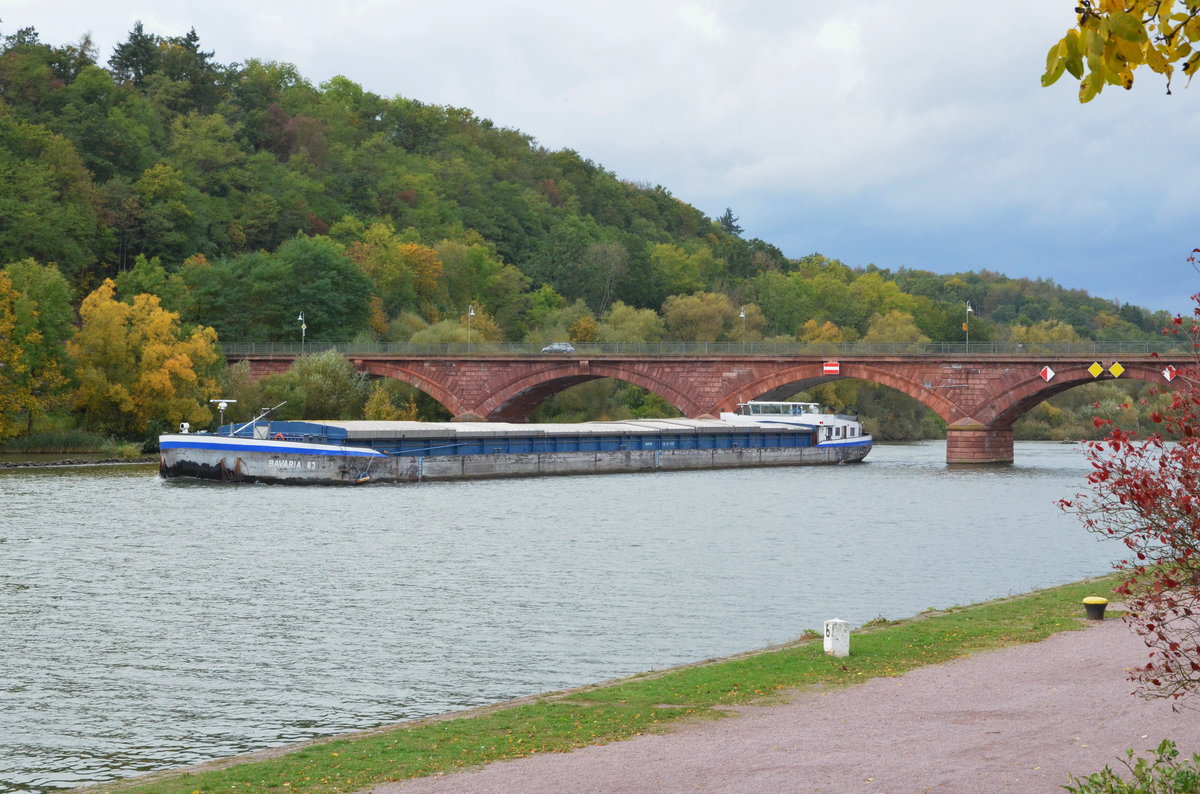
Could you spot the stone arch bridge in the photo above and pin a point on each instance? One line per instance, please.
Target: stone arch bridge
(979, 396)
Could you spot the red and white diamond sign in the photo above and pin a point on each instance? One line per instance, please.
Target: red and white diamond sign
(832, 368)
(1169, 373)
(1046, 374)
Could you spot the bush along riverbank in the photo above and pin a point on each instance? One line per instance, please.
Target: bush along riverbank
(648, 703)
(69, 447)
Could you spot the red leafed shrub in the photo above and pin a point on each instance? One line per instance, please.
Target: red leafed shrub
(1145, 492)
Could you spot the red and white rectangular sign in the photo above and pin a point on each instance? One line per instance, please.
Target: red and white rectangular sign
(832, 368)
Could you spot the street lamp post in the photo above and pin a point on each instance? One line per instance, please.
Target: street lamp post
(303, 330)
(967, 326)
(742, 314)
(470, 314)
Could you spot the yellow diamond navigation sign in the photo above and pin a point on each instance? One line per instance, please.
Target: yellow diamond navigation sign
(1095, 369)
(1116, 369)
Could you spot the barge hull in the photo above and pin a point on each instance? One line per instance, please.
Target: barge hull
(342, 467)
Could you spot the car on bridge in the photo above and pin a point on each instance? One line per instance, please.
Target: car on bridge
(559, 347)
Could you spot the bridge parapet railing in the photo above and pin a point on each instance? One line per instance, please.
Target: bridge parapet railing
(824, 349)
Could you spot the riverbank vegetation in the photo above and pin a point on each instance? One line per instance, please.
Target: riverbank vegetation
(159, 205)
(643, 704)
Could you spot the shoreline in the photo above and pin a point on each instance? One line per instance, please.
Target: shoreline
(73, 463)
(1013, 620)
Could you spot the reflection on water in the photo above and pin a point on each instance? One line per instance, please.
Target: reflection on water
(153, 624)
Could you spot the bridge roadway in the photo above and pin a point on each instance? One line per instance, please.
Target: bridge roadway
(979, 396)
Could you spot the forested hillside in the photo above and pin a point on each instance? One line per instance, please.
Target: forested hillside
(157, 203)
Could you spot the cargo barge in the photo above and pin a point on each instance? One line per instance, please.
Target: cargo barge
(356, 452)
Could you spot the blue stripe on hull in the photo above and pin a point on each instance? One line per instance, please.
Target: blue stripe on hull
(277, 447)
(864, 441)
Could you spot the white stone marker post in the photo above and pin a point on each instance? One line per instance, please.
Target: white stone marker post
(837, 638)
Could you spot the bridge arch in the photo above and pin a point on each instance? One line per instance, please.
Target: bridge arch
(1021, 397)
(789, 380)
(986, 435)
(418, 380)
(516, 398)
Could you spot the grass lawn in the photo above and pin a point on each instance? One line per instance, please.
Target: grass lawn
(559, 722)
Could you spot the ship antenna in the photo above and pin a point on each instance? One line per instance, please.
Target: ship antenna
(267, 412)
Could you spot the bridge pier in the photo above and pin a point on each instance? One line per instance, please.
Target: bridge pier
(977, 443)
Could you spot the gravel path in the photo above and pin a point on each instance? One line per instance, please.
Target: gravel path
(1020, 719)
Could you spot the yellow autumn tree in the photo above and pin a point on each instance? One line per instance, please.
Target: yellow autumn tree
(1044, 331)
(136, 369)
(584, 329)
(16, 398)
(404, 273)
(425, 265)
(897, 329)
(379, 406)
(1113, 38)
(812, 331)
(377, 321)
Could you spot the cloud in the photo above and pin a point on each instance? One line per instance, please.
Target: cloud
(701, 19)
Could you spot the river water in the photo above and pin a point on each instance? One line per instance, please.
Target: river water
(150, 624)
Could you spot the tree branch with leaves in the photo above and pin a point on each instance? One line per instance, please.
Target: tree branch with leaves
(1114, 38)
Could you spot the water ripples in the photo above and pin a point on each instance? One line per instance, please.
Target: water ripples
(153, 624)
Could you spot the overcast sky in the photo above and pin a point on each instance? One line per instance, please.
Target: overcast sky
(904, 134)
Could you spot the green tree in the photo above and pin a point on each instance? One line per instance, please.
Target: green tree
(47, 202)
(238, 384)
(259, 296)
(679, 272)
(379, 255)
(330, 386)
(319, 386)
(874, 295)
(556, 324)
(174, 67)
(206, 151)
(729, 224)
(544, 302)
(748, 327)
(896, 328)
(16, 395)
(403, 327)
(1044, 331)
(506, 297)
(466, 270)
(820, 294)
(559, 258)
(703, 317)
(116, 132)
(170, 224)
(148, 276)
(624, 323)
(135, 58)
(44, 320)
(446, 332)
